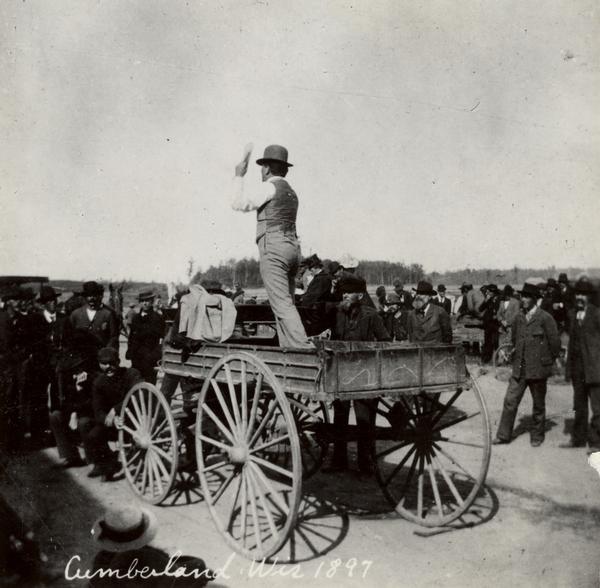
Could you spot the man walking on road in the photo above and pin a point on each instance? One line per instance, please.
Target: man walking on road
(276, 204)
(583, 366)
(537, 345)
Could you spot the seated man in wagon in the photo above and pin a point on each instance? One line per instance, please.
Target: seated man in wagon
(355, 321)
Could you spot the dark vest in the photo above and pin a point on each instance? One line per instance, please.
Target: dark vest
(279, 213)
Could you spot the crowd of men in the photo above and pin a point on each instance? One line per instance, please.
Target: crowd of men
(63, 383)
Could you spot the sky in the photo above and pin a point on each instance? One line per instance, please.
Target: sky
(450, 134)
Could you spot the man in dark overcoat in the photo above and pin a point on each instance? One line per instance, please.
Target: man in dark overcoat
(583, 366)
(356, 321)
(145, 337)
(91, 326)
(442, 300)
(537, 345)
(427, 322)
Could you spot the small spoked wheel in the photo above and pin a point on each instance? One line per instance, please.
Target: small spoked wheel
(309, 416)
(249, 459)
(148, 443)
(432, 459)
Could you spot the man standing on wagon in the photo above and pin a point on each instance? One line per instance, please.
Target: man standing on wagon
(276, 204)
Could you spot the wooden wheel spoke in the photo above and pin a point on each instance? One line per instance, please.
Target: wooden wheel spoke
(436, 491)
(214, 442)
(266, 510)
(271, 466)
(224, 485)
(254, 407)
(215, 466)
(215, 419)
(160, 429)
(234, 401)
(448, 481)
(456, 421)
(393, 448)
(274, 495)
(420, 489)
(137, 453)
(133, 420)
(449, 457)
(255, 519)
(138, 468)
(155, 416)
(409, 477)
(446, 407)
(244, 506)
(134, 434)
(160, 464)
(138, 411)
(232, 425)
(232, 508)
(244, 390)
(263, 422)
(400, 465)
(270, 443)
(149, 411)
(162, 453)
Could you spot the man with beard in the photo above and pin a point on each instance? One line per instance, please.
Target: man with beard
(91, 326)
(537, 344)
(583, 366)
(145, 336)
(108, 392)
(355, 321)
(428, 322)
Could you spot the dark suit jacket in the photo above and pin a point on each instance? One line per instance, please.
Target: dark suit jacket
(446, 304)
(108, 393)
(584, 346)
(537, 345)
(85, 338)
(319, 290)
(433, 327)
(364, 324)
(145, 335)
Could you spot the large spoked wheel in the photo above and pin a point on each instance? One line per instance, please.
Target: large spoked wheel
(433, 458)
(310, 416)
(148, 443)
(249, 459)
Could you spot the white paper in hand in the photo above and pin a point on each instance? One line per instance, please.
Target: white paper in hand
(248, 151)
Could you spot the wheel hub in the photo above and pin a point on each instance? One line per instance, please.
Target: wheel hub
(238, 455)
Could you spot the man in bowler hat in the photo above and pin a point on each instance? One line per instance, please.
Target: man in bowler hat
(428, 322)
(583, 366)
(145, 336)
(537, 345)
(276, 205)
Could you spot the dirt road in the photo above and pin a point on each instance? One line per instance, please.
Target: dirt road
(538, 523)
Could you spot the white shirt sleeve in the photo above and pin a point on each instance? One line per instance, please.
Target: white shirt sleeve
(245, 202)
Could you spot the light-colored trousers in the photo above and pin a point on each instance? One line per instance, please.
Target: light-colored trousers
(279, 254)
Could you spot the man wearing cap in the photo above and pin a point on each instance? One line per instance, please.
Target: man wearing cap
(406, 300)
(583, 366)
(537, 345)
(276, 204)
(145, 336)
(427, 322)
(108, 392)
(356, 321)
(441, 299)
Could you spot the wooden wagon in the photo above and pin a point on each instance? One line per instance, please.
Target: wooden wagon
(260, 425)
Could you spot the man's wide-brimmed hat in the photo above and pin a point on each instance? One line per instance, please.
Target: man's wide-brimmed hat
(583, 286)
(425, 288)
(145, 295)
(274, 153)
(563, 279)
(47, 294)
(530, 290)
(508, 290)
(92, 289)
(352, 285)
(108, 355)
(348, 262)
(125, 528)
(441, 288)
